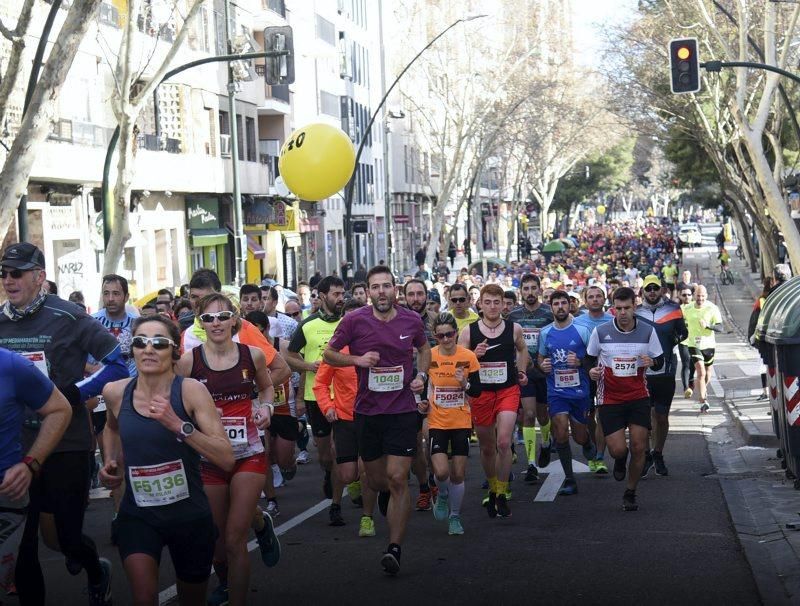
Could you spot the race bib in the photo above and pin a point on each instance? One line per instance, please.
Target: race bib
(280, 396)
(698, 341)
(531, 337)
(448, 397)
(493, 372)
(387, 378)
(39, 360)
(236, 430)
(624, 366)
(157, 485)
(567, 377)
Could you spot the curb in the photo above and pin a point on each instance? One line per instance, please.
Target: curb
(751, 438)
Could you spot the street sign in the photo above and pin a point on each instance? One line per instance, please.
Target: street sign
(400, 218)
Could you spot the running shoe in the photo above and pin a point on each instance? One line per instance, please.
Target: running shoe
(648, 463)
(354, 492)
(268, 544)
(277, 477)
(687, 393)
(629, 501)
(503, 510)
(303, 458)
(383, 501)
(473, 439)
(424, 501)
(658, 460)
(272, 508)
(289, 473)
(763, 396)
(704, 407)
(570, 487)
(335, 515)
(219, 597)
(100, 594)
(592, 465)
(619, 468)
(543, 460)
(454, 525)
(327, 485)
(531, 474)
(441, 508)
(366, 528)
(600, 467)
(589, 451)
(434, 491)
(490, 503)
(391, 563)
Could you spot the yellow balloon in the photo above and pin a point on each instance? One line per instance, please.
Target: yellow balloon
(317, 161)
(601, 210)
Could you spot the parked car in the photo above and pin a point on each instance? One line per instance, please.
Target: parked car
(690, 235)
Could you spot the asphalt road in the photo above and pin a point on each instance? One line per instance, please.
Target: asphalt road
(679, 548)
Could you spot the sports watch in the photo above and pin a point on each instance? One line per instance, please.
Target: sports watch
(187, 429)
(32, 464)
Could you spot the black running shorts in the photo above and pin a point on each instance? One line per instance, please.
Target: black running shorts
(452, 442)
(345, 441)
(614, 417)
(391, 434)
(662, 390)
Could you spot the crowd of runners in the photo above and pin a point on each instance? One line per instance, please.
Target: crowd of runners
(203, 404)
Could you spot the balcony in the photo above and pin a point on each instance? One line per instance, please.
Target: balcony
(80, 133)
(158, 143)
(277, 98)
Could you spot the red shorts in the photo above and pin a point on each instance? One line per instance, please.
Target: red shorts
(486, 406)
(211, 474)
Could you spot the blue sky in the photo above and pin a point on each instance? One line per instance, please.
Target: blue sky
(590, 18)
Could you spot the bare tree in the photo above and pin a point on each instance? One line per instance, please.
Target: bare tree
(37, 120)
(127, 104)
(16, 37)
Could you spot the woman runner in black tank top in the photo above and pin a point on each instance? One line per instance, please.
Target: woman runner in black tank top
(160, 425)
(230, 370)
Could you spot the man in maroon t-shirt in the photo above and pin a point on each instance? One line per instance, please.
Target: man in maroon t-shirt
(382, 339)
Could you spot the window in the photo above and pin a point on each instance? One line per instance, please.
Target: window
(329, 104)
(250, 129)
(326, 31)
(239, 136)
(219, 32)
(224, 123)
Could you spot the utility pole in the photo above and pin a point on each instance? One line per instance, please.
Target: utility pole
(240, 244)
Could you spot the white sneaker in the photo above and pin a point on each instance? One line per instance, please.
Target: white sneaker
(277, 477)
(303, 458)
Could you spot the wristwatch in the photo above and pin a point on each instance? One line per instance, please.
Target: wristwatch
(187, 429)
(424, 375)
(33, 465)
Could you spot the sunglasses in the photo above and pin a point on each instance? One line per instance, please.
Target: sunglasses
(458, 299)
(686, 294)
(208, 318)
(652, 289)
(445, 335)
(14, 273)
(159, 343)
(295, 314)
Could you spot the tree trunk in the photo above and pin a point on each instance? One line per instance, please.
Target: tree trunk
(9, 79)
(36, 123)
(120, 231)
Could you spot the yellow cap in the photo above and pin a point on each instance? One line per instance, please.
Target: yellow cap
(651, 279)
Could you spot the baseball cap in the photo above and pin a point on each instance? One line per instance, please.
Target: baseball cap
(781, 272)
(23, 256)
(651, 279)
(433, 295)
(572, 294)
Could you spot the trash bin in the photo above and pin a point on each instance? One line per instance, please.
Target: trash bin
(783, 334)
(776, 299)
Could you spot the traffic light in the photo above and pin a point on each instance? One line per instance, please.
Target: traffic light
(279, 70)
(684, 65)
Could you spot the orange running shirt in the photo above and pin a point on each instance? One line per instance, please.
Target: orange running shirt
(449, 408)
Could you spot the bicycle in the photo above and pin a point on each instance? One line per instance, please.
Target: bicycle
(725, 276)
(740, 252)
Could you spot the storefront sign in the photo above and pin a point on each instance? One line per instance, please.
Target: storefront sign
(260, 212)
(202, 213)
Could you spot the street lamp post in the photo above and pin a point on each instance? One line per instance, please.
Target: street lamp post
(350, 187)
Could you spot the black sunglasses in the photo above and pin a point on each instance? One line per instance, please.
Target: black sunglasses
(652, 288)
(295, 314)
(14, 273)
(458, 299)
(159, 343)
(208, 318)
(444, 335)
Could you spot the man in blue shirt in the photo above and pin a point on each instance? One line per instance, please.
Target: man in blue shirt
(22, 385)
(562, 351)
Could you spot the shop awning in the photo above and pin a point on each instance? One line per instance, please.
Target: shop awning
(209, 237)
(254, 247)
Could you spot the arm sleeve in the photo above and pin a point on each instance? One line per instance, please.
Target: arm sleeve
(32, 387)
(322, 387)
(542, 349)
(654, 348)
(474, 384)
(593, 346)
(681, 331)
(113, 369)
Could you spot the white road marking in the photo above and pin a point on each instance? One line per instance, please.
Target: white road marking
(555, 477)
(171, 592)
(716, 387)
